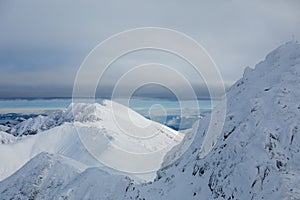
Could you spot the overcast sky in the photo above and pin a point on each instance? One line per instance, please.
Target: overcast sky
(43, 43)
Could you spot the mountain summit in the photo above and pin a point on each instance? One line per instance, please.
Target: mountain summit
(108, 135)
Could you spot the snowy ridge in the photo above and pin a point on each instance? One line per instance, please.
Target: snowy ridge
(91, 121)
(6, 138)
(49, 176)
(257, 155)
(94, 183)
(78, 112)
(45, 175)
(82, 113)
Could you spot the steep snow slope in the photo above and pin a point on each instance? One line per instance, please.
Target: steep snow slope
(257, 156)
(49, 176)
(61, 140)
(85, 129)
(94, 183)
(42, 177)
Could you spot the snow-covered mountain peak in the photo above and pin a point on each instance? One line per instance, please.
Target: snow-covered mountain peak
(278, 61)
(109, 135)
(257, 154)
(87, 113)
(82, 112)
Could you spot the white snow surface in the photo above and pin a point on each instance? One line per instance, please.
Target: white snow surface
(257, 155)
(89, 125)
(6, 138)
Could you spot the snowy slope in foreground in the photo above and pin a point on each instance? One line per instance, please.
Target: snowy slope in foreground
(257, 156)
(94, 124)
(52, 176)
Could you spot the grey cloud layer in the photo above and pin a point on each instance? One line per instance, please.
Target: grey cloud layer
(42, 43)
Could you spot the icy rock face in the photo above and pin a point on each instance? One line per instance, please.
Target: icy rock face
(257, 155)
